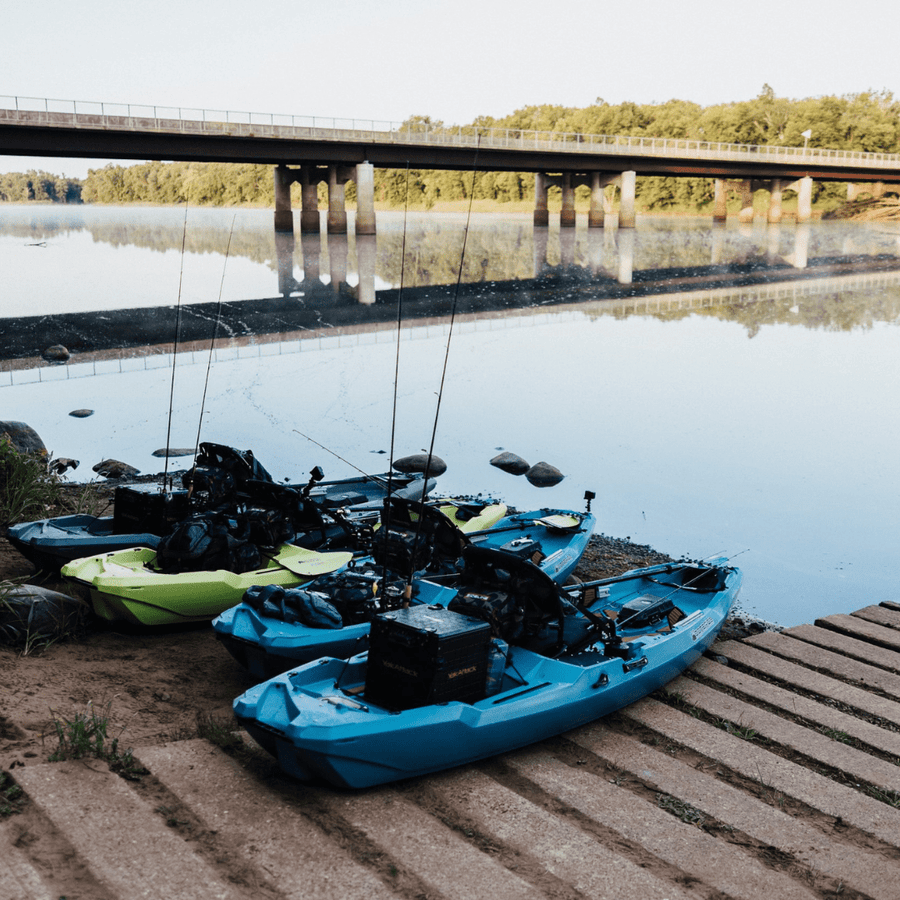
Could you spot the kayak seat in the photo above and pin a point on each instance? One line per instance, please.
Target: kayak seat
(575, 629)
(522, 604)
(416, 537)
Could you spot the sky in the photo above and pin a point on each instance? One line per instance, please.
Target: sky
(389, 59)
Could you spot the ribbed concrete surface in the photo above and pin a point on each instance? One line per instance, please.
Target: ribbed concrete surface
(767, 771)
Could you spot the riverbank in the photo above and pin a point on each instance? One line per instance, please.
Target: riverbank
(148, 680)
(767, 769)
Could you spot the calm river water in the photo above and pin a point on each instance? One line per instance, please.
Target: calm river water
(724, 390)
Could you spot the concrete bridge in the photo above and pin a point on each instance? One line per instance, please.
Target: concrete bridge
(313, 150)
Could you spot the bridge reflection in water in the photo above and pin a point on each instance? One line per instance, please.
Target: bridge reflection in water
(322, 306)
(618, 243)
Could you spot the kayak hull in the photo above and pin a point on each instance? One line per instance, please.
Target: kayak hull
(320, 722)
(126, 586)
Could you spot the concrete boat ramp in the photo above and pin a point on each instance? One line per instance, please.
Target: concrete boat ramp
(770, 770)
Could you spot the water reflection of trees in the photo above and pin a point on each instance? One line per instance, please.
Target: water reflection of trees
(576, 263)
(829, 311)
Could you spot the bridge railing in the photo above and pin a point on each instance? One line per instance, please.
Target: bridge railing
(142, 117)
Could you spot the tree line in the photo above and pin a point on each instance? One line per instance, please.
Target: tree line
(868, 121)
(22, 187)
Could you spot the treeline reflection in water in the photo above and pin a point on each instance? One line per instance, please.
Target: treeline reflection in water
(824, 276)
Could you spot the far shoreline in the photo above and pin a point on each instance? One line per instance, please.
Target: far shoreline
(456, 207)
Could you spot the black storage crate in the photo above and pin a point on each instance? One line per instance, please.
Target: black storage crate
(145, 509)
(425, 654)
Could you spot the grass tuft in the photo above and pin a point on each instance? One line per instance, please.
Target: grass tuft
(29, 487)
(219, 731)
(87, 735)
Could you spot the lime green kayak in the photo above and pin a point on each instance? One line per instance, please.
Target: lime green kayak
(127, 586)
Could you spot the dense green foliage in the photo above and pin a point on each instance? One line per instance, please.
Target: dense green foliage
(868, 121)
(18, 187)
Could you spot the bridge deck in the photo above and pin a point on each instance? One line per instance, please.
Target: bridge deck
(148, 132)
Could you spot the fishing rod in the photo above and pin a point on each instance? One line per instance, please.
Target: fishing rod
(175, 346)
(386, 524)
(399, 325)
(376, 478)
(647, 571)
(440, 396)
(212, 344)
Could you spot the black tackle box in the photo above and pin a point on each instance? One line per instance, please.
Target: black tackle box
(426, 654)
(145, 509)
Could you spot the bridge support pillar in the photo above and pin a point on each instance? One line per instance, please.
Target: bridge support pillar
(365, 198)
(541, 215)
(875, 190)
(775, 201)
(567, 213)
(626, 202)
(720, 195)
(597, 210)
(309, 192)
(804, 199)
(337, 213)
(284, 217)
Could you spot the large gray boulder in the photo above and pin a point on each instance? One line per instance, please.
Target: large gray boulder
(509, 462)
(23, 437)
(29, 612)
(56, 354)
(542, 474)
(114, 468)
(418, 462)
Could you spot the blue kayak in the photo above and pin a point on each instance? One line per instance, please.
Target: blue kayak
(147, 512)
(266, 638)
(511, 659)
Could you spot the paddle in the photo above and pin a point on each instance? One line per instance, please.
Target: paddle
(319, 564)
(517, 526)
